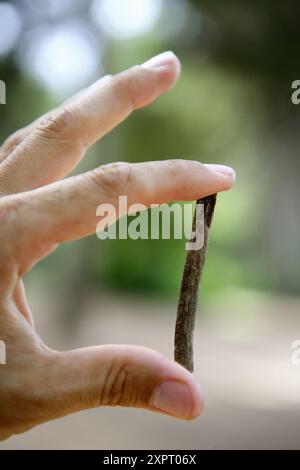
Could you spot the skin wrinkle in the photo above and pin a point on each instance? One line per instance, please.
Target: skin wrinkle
(117, 391)
(106, 396)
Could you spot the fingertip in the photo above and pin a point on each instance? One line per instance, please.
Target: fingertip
(167, 65)
(165, 59)
(223, 169)
(178, 398)
(227, 174)
(198, 401)
(172, 67)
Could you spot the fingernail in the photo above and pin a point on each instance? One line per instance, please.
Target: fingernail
(223, 169)
(161, 60)
(174, 398)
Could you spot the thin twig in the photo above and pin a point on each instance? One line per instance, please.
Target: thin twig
(188, 300)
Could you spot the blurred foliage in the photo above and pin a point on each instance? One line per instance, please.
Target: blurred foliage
(232, 106)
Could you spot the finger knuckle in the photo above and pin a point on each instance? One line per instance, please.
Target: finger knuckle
(117, 390)
(176, 165)
(62, 126)
(114, 178)
(57, 123)
(124, 86)
(13, 141)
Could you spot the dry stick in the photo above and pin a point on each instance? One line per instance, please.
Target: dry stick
(188, 300)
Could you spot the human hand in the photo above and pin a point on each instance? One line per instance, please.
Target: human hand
(39, 210)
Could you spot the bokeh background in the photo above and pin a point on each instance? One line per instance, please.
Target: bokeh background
(232, 106)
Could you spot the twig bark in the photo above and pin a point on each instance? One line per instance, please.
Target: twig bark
(188, 300)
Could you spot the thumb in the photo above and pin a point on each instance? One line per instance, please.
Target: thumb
(123, 376)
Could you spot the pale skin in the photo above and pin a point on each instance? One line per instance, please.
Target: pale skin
(39, 210)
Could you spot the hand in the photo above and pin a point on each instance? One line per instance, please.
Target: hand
(39, 210)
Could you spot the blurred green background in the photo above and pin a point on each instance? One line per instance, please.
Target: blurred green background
(232, 105)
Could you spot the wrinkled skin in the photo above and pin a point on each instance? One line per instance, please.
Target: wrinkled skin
(39, 210)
